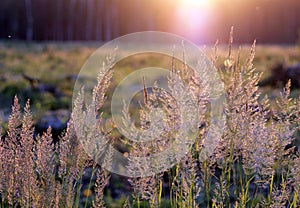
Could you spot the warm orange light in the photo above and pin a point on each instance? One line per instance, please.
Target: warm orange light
(193, 18)
(195, 3)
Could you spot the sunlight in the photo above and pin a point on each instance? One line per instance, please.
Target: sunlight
(193, 18)
(195, 3)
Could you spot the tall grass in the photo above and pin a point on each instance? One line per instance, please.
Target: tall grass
(254, 165)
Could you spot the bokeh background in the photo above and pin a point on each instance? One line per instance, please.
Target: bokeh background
(202, 21)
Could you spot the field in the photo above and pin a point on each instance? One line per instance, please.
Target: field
(255, 164)
(58, 64)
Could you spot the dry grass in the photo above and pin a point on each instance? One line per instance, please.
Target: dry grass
(254, 165)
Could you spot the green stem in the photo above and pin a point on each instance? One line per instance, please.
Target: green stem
(271, 190)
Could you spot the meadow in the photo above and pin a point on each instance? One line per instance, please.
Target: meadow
(256, 163)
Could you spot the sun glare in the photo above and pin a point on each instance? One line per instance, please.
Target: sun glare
(193, 18)
(195, 3)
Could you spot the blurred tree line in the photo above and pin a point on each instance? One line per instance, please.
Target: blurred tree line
(79, 19)
(270, 21)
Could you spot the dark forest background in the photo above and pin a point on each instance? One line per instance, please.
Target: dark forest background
(269, 21)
